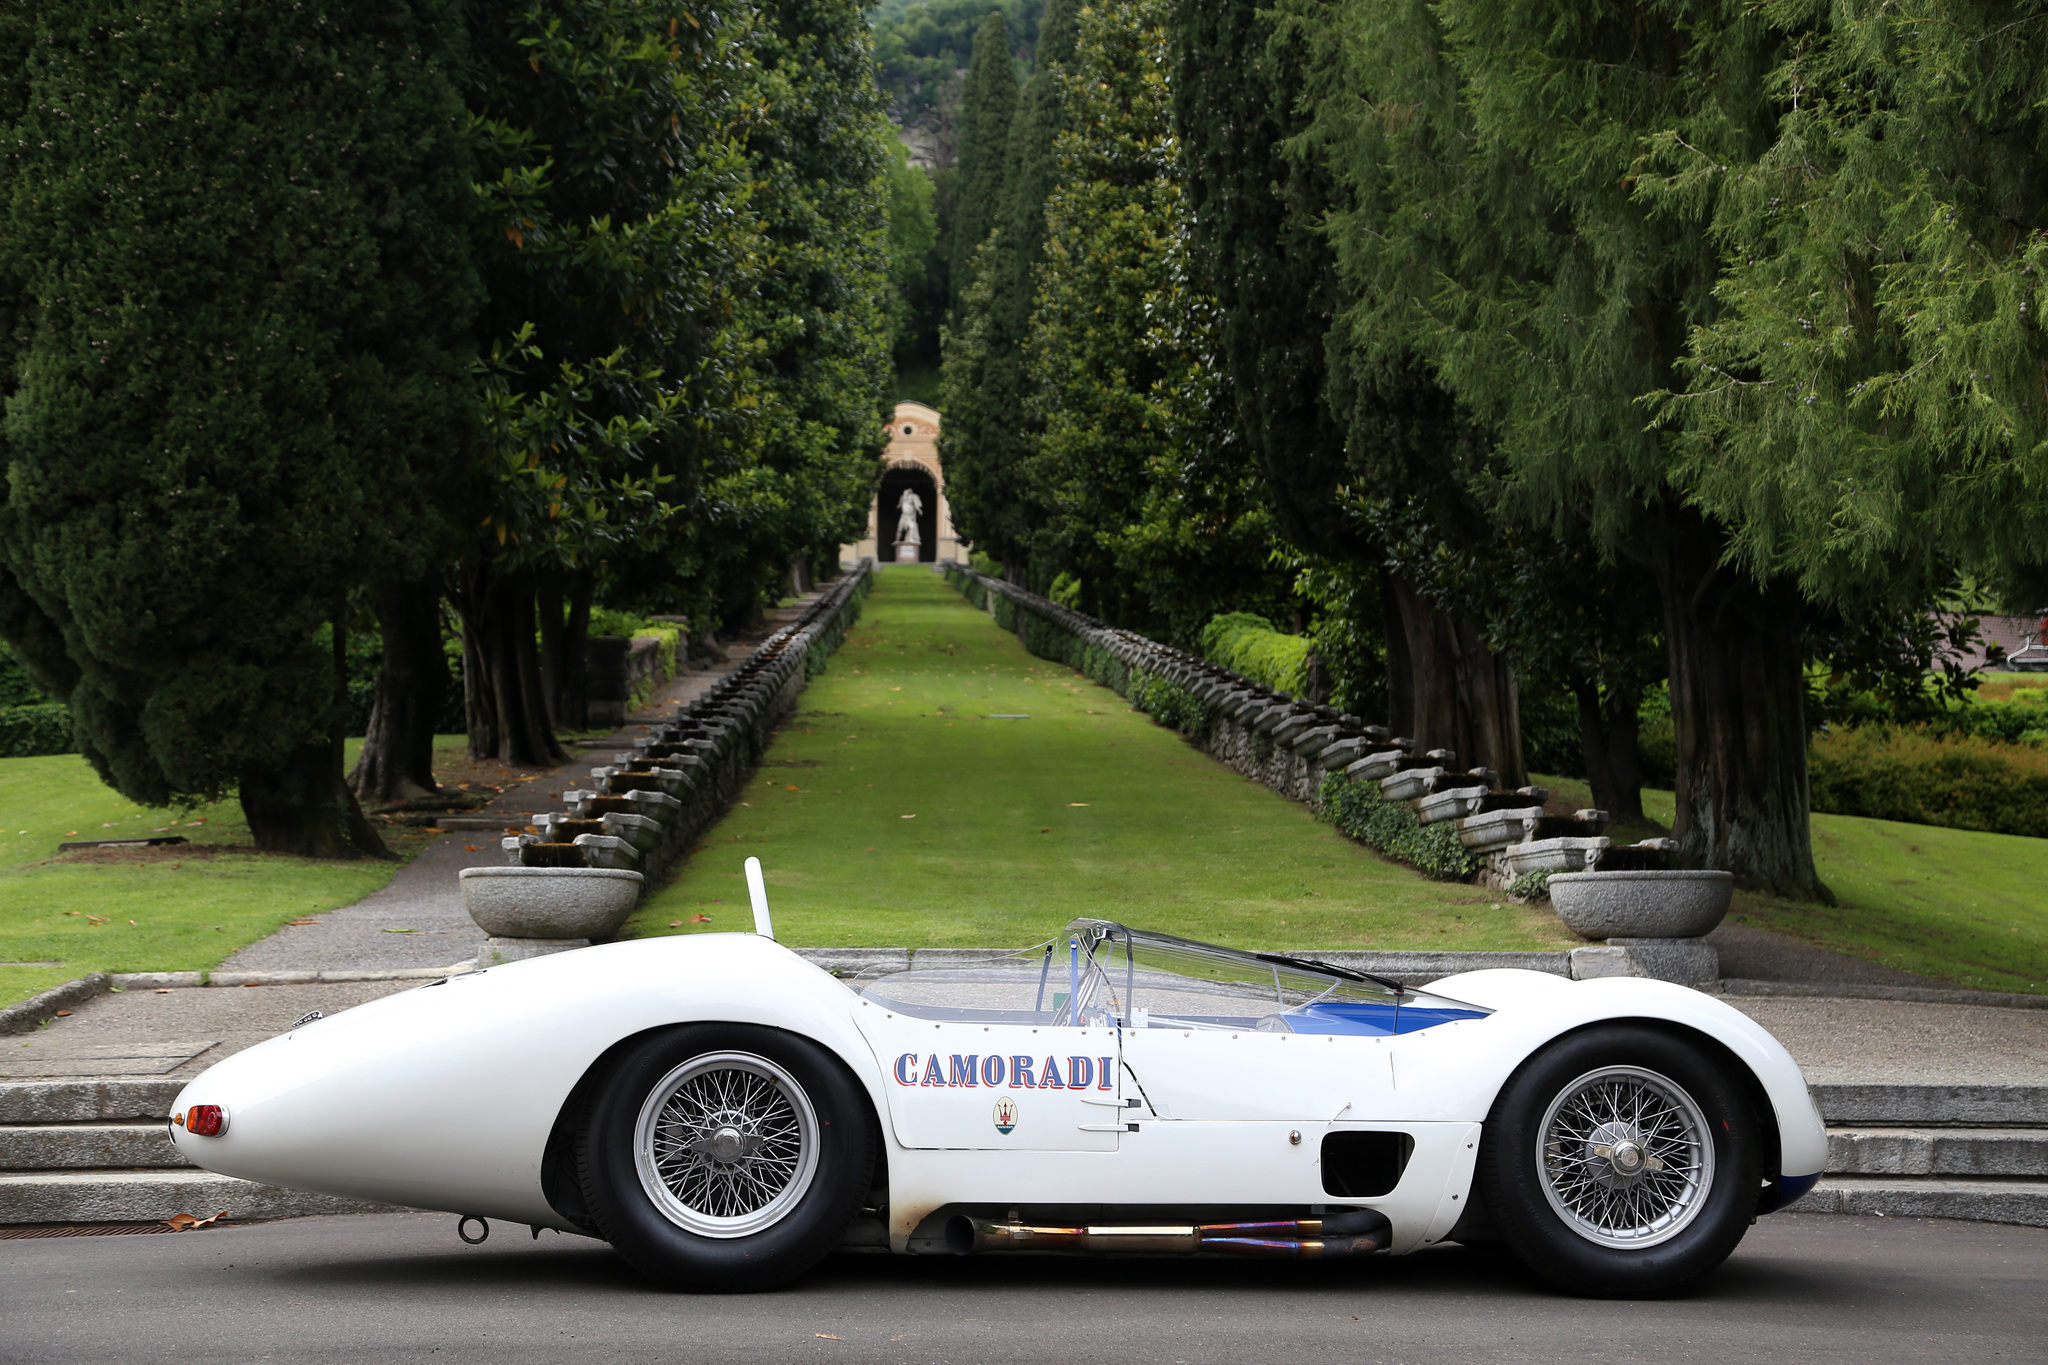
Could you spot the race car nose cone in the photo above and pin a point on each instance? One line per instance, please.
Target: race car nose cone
(1628, 1158)
(726, 1144)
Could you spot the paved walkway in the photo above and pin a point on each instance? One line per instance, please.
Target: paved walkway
(418, 920)
(399, 1287)
(182, 1032)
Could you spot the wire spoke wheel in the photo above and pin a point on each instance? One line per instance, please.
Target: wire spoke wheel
(726, 1144)
(1625, 1157)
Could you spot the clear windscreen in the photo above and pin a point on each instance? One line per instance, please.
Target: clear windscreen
(1099, 973)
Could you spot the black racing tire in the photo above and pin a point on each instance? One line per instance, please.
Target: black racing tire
(722, 1158)
(1621, 1161)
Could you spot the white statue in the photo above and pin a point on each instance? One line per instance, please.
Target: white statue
(908, 508)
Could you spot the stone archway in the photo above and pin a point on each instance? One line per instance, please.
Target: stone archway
(913, 451)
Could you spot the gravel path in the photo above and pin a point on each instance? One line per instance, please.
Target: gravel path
(418, 920)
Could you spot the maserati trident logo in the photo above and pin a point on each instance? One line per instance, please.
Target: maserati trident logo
(1006, 1115)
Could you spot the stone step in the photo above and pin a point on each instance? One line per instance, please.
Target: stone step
(87, 1146)
(1984, 1201)
(1933, 1106)
(151, 1195)
(1939, 1151)
(87, 1101)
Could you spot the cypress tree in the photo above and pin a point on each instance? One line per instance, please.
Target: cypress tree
(1313, 420)
(995, 500)
(241, 233)
(1489, 154)
(988, 102)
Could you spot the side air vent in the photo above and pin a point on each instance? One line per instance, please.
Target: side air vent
(1364, 1165)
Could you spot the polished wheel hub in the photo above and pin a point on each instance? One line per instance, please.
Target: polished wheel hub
(1625, 1157)
(726, 1144)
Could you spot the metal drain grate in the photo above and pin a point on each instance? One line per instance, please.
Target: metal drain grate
(84, 1230)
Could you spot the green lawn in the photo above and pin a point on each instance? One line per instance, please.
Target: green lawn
(892, 810)
(174, 909)
(1966, 907)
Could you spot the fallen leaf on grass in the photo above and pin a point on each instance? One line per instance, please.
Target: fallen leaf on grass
(1046, 830)
(185, 1222)
(906, 817)
(1080, 803)
(675, 924)
(305, 921)
(136, 925)
(700, 919)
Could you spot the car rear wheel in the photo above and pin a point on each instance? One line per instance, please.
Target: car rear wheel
(725, 1157)
(1621, 1161)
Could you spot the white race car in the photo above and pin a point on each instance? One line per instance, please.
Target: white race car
(724, 1113)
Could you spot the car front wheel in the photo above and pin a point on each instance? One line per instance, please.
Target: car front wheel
(1621, 1161)
(725, 1157)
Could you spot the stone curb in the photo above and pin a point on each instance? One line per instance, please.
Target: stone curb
(1927, 995)
(148, 1196)
(30, 1013)
(33, 1012)
(1977, 1201)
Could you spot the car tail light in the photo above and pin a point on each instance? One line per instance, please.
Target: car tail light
(206, 1120)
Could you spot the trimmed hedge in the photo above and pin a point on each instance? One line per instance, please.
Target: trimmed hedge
(1248, 645)
(834, 633)
(1170, 704)
(1960, 781)
(1394, 829)
(32, 731)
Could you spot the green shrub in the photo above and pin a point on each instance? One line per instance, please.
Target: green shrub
(1393, 829)
(983, 563)
(1531, 886)
(31, 731)
(2019, 719)
(1005, 612)
(1657, 749)
(1249, 645)
(1170, 704)
(1066, 590)
(1959, 781)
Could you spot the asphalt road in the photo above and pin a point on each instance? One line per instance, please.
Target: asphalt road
(401, 1287)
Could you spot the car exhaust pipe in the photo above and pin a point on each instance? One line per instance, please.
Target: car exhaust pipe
(1354, 1232)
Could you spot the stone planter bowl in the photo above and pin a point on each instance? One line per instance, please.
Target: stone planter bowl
(549, 902)
(1641, 904)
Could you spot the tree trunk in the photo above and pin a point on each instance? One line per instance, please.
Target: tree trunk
(1464, 695)
(504, 692)
(397, 761)
(1738, 705)
(547, 598)
(1400, 668)
(567, 691)
(305, 808)
(1607, 730)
